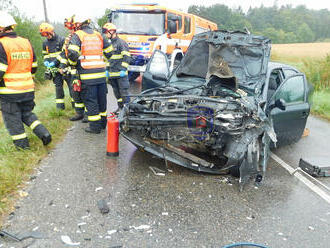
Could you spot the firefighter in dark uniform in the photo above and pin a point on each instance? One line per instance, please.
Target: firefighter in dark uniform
(65, 70)
(17, 64)
(118, 64)
(51, 48)
(85, 52)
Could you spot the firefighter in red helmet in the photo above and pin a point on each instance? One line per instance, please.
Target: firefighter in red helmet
(85, 53)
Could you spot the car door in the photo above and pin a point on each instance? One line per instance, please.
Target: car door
(290, 123)
(157, 71)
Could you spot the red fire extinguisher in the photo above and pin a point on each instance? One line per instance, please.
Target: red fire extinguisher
(113, 136)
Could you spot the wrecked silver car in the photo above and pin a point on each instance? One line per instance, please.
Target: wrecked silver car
(216, 112)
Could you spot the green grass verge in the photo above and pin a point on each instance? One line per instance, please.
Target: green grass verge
(318, 74)
(321, 104)
(17, 166)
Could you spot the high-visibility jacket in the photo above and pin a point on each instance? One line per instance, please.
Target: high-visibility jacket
(120, 58)
(91, 50)
(86, 51)
(15, 73)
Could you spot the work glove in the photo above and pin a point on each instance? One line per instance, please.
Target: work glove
(122, 74)
(107, 74)
(49, 64)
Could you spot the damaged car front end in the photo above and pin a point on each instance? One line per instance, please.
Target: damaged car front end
(211, 115)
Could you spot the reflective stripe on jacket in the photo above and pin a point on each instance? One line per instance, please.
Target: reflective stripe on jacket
(91, 50)
(120, 58)
(18, 77)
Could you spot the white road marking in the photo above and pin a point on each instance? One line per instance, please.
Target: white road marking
(302, 178)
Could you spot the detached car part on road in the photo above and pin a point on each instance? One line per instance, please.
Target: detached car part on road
(221, 108)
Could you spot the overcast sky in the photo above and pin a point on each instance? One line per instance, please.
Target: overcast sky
(59, 9)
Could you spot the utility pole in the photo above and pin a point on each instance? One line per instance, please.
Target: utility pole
(45, 11)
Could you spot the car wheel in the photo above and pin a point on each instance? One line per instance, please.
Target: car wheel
(252, 156)
(234, 171)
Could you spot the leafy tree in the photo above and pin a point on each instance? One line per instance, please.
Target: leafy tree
(104, 19)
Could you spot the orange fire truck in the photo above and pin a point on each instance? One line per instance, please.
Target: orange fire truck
(146, 27)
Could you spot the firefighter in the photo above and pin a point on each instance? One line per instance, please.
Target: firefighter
(17, 64)
(65, 70)
(51, 48)
(119, 62)
(85, 52)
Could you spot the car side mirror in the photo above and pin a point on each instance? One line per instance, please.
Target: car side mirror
(160, 77)
(172, 27)
(281, 104)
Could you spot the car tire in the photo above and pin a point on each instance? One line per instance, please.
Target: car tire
(234, 171)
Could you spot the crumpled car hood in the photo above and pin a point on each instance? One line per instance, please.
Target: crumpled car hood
(217, 122)
(227, 55)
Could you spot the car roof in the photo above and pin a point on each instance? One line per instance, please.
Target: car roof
(274, 65)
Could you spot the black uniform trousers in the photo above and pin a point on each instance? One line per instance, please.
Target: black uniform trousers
(59, 91)
(77, 100)
(95, 99)
(15, 114)
(120, 88)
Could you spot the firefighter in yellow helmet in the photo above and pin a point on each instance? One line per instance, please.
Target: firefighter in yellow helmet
(51, 48)
(118, 64)
(17, 65)
(85, 52)
(65, 70)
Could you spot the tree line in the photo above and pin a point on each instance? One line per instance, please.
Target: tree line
(284, 24)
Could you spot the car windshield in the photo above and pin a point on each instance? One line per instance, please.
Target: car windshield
(139, 23)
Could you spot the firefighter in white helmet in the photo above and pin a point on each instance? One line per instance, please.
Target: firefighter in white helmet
(85, 52)
(118, 64)
(17, 65)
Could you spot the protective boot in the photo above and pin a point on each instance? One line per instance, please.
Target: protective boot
(43, 134)
(103, 122)
(90, 130)
(60, 106)
(85, 118)
(22, 144)
(77, 117)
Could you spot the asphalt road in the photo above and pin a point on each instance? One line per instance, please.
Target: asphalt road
(181, 209)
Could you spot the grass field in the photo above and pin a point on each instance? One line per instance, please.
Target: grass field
(314, 60)
(16, 166)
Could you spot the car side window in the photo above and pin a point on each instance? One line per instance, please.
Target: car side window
(289, 72)
(292, 90)
(158, 64)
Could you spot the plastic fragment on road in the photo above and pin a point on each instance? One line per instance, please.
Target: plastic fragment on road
(112, 232)
(23, 193)
(315, 166)
(157, 171)
(141, 227)
(103, 206)
(67, 240)
(98, 189)
(23, 236)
